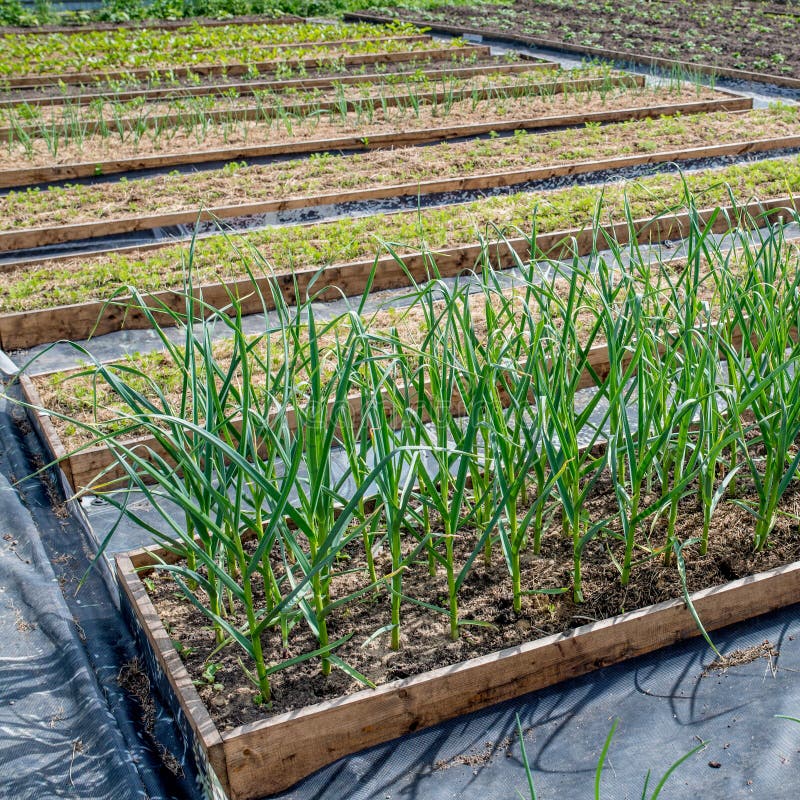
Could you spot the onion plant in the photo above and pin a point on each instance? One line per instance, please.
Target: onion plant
(572, 426)
(274, 461)
(450, 456)
(389, 383)
(768, 383)
(516, 444)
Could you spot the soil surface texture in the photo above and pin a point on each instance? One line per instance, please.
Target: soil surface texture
(485, 598)
(747, 36)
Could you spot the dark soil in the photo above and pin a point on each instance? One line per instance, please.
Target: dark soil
(740, 35)
(485, 596)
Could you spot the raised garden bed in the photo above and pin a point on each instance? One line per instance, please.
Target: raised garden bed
(289, 80)
(82, 463)
(714, 38)
(148, 47)
(297, 254)
(120, 117)
(388, 55)
(249, 762)
(374, 123)
(271, 56)
(61, 214)
(248, 755)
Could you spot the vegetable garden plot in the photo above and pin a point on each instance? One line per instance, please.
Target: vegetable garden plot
(147, 47)
(341, 253)
(755, 325)
(380, 53)
(74, 212)
(486, 500)
(76, 398)
(288, 80)
(740, 41)
(230, 60)
(199, 135)
(114, 116)
(372, 126)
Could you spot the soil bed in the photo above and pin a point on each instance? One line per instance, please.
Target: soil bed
(115, 116)
(288, 79)
(320, 180)
(744, 36)
(370, 119)
(76, 279)
(425, 643)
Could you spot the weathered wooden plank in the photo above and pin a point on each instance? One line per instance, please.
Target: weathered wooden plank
(270, 756)
(206, 734)
(43, 425)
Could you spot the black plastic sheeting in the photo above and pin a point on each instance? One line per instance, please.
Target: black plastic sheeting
(664, 707)
(67, 729)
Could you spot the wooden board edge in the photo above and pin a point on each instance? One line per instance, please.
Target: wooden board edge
(134, 595)
(42, 423)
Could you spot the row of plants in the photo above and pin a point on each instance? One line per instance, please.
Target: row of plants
(82, 400)
(46, 12)
(314, 479)
(264, 55)
(287, 73)
(361, 121)
(51, 284)
(188, 80)
(105, 111)
(751, 37)
(118, 48)
(34, 130)
(324, 174)
(328, 174)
